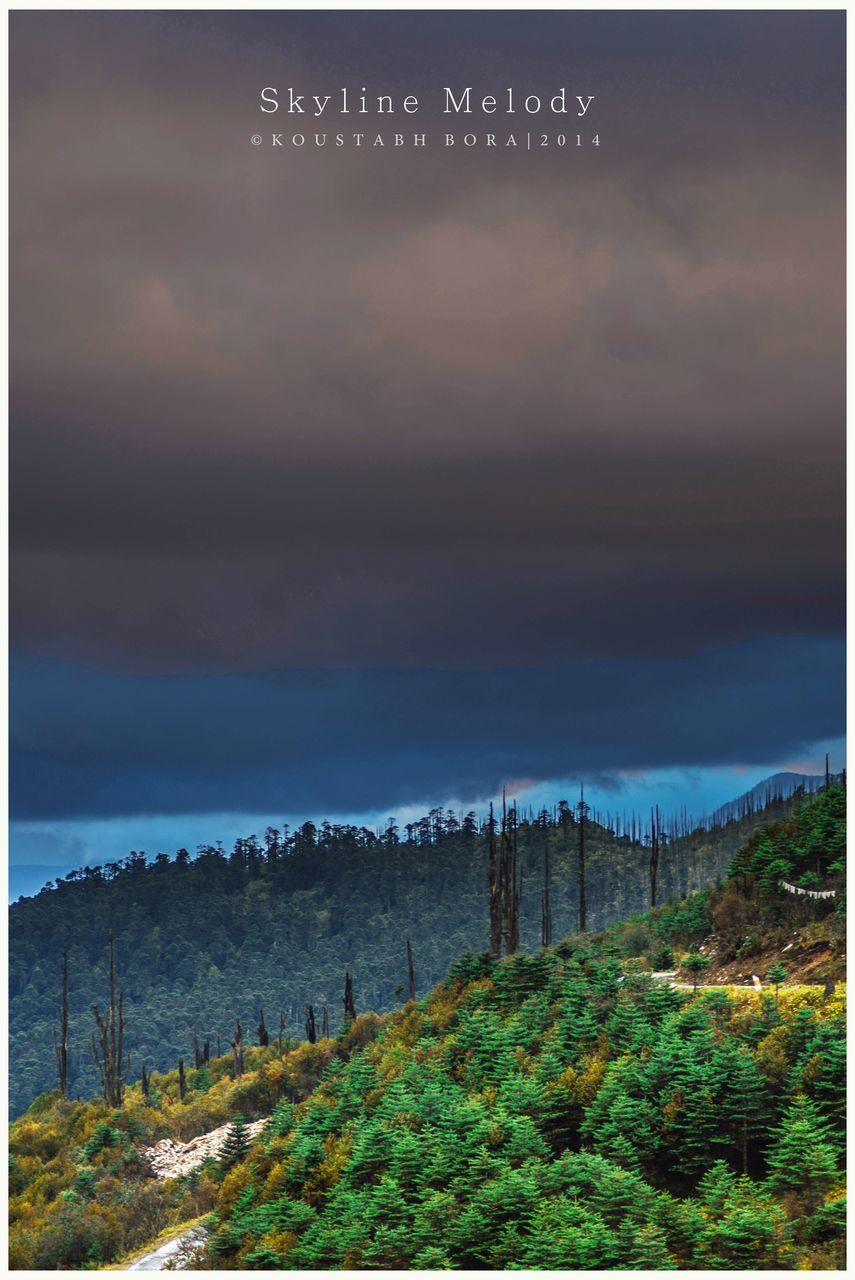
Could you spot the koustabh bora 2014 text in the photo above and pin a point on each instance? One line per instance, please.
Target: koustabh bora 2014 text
(463, 101)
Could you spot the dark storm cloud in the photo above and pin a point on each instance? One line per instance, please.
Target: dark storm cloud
(302, 741)
(432, 408)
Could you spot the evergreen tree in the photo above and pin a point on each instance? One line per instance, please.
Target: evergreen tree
(802, 1159)
(696, 964)
(776, 975)
(235, 1144)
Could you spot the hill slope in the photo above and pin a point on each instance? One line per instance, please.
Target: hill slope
(275, 924)
(559, 1110)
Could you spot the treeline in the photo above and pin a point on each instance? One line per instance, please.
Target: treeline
(275, 922)
(544, 1111)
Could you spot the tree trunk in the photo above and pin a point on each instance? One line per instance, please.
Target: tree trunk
(237, 1050)
(349, 1005)
(546, 905)
(493, 885)
(62, 1047)
(411, 974)
(654, 853)
(583, 811)
(311, 1032)
(108, 1049)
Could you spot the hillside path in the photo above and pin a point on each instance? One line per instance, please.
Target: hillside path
(157, 1259)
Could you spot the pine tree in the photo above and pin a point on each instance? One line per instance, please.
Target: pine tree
(744, 1098)
(696, 964)
(776, 974)
(236, 1143)
(716, 1186)
(802, 1159)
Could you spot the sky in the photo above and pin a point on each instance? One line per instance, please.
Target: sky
(350, 481)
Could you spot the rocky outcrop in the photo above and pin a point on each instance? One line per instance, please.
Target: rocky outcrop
(170, 1159)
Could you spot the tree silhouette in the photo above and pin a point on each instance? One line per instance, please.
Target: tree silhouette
(62, 1044)
(107, 1050)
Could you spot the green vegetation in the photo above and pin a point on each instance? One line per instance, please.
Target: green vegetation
(80, 1189)
(556, 1110)
(276, 923)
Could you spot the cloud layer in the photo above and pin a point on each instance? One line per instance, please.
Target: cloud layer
(373, 410)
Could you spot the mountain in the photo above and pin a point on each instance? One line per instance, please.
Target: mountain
(557, 1110)
(275, 924)
(778, 786)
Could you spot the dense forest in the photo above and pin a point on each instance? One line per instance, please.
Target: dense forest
(563, 1109)
(275, 923)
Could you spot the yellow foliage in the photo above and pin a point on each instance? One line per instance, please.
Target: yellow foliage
(441, 1007)
(772, 1054)
(274, 1184)
(236, 1181)
(586, 1082)
(281, 1242)
(337, 1149)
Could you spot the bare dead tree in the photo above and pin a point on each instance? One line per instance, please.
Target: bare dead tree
(655, 849)
(237, 1050)
(144, 1081)
(182, 1080)
(411, 973)
(325, 1023)
(197, 1053)
(280, 1033)
(311, 1030)
(510, 881)
(349, 1005)
(582, 809)
(546, 905)
(493, 886)
(62, 1044)
(108, 1049)
(206, 1053)
(263, 1037)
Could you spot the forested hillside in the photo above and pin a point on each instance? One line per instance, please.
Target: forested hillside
(558, 1110)
(275, 923)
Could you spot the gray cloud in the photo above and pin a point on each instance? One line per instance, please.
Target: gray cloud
(442, 409)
